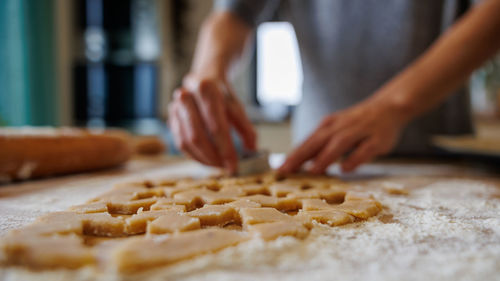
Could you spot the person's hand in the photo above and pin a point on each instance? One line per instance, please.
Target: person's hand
(363, 131)
(201, 116)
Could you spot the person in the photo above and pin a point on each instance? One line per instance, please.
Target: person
(379, 77)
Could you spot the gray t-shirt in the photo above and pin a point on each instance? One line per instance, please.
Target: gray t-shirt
(349, 48)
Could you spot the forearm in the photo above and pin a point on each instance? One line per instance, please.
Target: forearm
(221, 42)
(447, 64)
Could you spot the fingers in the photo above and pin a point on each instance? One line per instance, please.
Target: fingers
(184, 140)
(241, 123)
(367, 128)
(192, 130)
(185, 146)
(175, 126)
(306, 151)
(180, 137)
(365, 152)
(210, 102)
(336, 147)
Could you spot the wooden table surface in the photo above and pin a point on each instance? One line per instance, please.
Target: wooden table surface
(424, 235)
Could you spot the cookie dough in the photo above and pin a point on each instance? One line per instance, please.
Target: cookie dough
(146, 252)
(140, 225)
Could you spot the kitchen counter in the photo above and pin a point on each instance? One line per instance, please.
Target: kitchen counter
(446, 228)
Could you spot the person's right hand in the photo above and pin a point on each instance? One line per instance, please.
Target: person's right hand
(201, 115)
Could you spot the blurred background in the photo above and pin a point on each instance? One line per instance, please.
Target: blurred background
(102, 63)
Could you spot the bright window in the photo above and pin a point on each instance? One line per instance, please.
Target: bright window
(279, 70)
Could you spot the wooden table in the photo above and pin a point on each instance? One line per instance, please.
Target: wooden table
(423, 235)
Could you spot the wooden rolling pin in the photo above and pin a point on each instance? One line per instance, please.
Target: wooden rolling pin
(29, 152)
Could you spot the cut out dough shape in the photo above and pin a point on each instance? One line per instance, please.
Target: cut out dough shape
(283, 204)
(362, 209)
(329, 217)
(243, 203)
(173, 222)
(273, 230)
(138, 223)
(46, 252)
(141, 253)
(215, 215)
(262, 215)
(167, 204)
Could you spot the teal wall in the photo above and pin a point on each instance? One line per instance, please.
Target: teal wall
(28, 94)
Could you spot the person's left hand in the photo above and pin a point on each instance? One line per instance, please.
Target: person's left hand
(365, 131)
